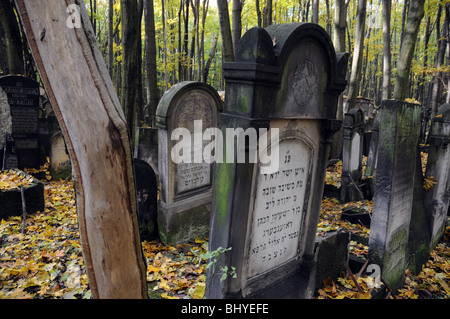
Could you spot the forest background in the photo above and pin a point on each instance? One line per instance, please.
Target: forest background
(150, 45)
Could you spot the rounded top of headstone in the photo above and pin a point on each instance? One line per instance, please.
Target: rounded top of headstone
(256, 46)
(176, 92)
(354, 117)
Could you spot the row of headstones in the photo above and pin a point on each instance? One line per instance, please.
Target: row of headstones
(25, 135)
(270, 220)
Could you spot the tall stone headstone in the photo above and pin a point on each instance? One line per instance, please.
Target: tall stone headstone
(286, 79)
(438, 166)
(185, 177)
(23, 99)
(352, 152)
(394, 186)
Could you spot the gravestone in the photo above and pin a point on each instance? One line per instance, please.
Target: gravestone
(60, 165)
(394, 186)
(373, 150)
(185, 178)
(146, 191)
(282, 88)
(146, 146)
(352, 151)
(437, 200)
(11, 199)
(23, 99)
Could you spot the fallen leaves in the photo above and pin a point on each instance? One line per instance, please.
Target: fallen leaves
(46, 261)
(175, 272)
(13, 180)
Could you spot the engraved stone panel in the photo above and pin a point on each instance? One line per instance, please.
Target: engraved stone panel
(195, 105)
(278, 209)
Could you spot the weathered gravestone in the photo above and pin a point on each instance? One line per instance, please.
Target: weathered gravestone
(183, 114)
(60, 165)
(438, 166)
(352, 151)
(373, 150)
(146, 146)
(23, 98)
(287, 78)
(394, 185)
(146, 191)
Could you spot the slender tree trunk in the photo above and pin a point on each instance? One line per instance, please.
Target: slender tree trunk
(438, 77)
(225, 30)
(139, 89)
(130, 33)
(415, 15)
(340, 24)
(150, 46)
(386, 90)
(210, 58)
(94, 128)
(236, 23)
(11, 57)
(110, 37)
(355, 75)
(258, 13)
(315, 11)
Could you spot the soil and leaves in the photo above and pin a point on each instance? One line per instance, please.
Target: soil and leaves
(45, 261)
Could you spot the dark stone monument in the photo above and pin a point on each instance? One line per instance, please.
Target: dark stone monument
(146, 191)
(352, 151)
(438, 166)
(23, 98)
(185, 178)
(11, 199)
(332, 251)
(286, 78)
(146, 147)
(394, 189)
(9, 158)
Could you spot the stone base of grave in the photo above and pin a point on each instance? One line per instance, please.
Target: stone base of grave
(11, 200)
(185, 220)
(299, 285)
(332, 250)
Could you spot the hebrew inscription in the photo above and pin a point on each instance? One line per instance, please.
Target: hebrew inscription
(278, 209)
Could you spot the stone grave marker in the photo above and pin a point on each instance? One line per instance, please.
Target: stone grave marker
(437, 200)
(185, 178)
(373, 150)
(23, 98)
(352, 151)
(394, 186)
(286, 78)
(146, 146)
(146, 191)
(60, 165)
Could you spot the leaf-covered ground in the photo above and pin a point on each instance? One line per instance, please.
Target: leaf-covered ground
(46, 260)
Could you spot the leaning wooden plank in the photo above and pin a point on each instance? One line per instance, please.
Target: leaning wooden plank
(89, 113)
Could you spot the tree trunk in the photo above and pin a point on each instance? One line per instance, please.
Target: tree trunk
(236, 23)
(340, 24)
(212, 53)
(386, 90)
(150, 46)
(110, 37)
(258, 13)
(415, 15)
(225, 30)
(315, 11)
(438, 79)
(130, 29)
(11, 58)
(95, 131)
(355, 75)
(139, 86)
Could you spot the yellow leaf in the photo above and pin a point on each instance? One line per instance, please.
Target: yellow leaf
(166, 296)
